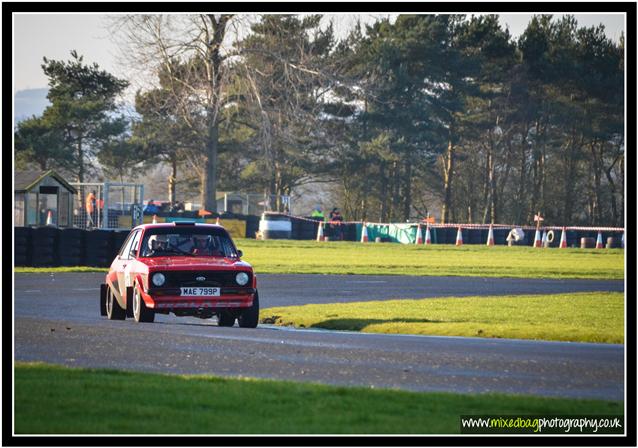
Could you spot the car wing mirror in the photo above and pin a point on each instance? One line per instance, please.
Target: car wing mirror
(240, 253)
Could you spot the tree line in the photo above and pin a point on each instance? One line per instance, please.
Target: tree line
(427, 114)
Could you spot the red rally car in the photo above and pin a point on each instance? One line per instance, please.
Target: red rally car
(186, 268)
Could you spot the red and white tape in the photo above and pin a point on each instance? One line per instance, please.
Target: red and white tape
(473, 226)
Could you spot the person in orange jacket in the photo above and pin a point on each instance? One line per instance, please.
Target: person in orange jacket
(90, 209)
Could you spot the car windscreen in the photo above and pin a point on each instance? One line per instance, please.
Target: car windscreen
(188, 241)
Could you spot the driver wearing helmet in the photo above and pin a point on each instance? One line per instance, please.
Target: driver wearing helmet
(201, 245)
(157, 243)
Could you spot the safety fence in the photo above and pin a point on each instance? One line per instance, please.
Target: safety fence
(50, 246)
(406, 233)
(478, 234)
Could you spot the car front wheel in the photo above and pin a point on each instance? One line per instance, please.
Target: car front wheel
(113, 309)
(225, 319)
(249, 318)
(140, 312)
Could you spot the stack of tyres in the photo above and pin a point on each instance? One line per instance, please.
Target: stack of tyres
(252, 226)
(474, 236)
(500, 236)
(22, 248)
(119, 236)
(44, 243)
(99, 248)
(70, 247)
(572, 238)
(308, 229)
(450, 235)
(350, 232)
(296, 226)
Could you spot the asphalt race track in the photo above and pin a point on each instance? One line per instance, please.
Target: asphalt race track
(56, 319)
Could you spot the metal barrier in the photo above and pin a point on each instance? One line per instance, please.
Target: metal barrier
(101, 205)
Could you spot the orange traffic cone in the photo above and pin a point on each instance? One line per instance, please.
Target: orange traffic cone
(320, 232)
(537, 239)
(218, 222)
(428, 238)
(563, 239)
(49, 218)
(459, 238)
(154, 219)
(419, 235)
(599, 241)
(364, 234)
(490, 236)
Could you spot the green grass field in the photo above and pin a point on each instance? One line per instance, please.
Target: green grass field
(311, 257)
(468, 260)
(58, 400)
(582, 317)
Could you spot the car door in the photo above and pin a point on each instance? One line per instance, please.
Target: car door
(121, 262)
(128, 269)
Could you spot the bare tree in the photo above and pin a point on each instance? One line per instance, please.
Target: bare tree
(195, 54)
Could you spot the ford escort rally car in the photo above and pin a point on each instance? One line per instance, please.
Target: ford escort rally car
(184, 268)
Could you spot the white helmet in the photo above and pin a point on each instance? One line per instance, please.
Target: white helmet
(156, 242)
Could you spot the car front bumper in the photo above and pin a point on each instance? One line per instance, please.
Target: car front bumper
(170, 298)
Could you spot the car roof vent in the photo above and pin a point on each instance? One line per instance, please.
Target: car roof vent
(184, 223)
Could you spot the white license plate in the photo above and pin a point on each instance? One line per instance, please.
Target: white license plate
(199, 291)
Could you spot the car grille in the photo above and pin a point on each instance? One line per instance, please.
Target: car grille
(213, 278)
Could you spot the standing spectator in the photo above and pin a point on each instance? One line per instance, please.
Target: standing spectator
(177, 207)
(100, 211)
(317, 213)
(336, 224)
(90, 209)
(150, 207)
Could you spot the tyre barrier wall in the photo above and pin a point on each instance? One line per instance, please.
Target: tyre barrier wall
(48, 246)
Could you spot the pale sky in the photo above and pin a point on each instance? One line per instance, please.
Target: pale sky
(54, 35)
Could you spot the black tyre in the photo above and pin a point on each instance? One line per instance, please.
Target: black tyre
(97, 262)
(44, 261)
(225, 319)
(21, 250)
(140, 312)
(21, 241)
(71, 252)
(70, 261)
(113, 309)
(249, 318)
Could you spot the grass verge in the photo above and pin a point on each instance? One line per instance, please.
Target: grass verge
(311, 257)
(579, 317)
(59, 400)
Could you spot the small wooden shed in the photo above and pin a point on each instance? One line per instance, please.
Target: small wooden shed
(38, 193)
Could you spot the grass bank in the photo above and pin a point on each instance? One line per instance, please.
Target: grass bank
(580, 317)
(59, 400)
(311, 257)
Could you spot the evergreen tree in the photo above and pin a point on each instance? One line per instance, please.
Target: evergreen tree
(38, 142)
(287, 66)
(83, 105)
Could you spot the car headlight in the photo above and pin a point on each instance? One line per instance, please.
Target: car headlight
(158, 279)
(241, 278)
